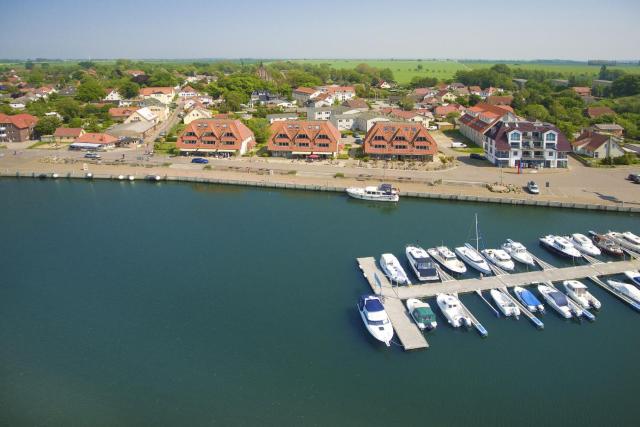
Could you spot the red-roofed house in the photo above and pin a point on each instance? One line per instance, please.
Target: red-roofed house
(303, 138)
(120, 114)
(209, 136)
(595, 112)
(17, 128)
(304, 94)
(410, 116)
(390, 140)
(67, 135)
(442, 110)
(162, 94)
(341, 93)
(582, 91)
(597, 145)
(188, 92)
(477, 120)
(94, 141)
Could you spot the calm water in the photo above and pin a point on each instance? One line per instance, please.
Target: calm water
(164, 304)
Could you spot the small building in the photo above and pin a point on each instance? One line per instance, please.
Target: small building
(17, 128)
(211, 136)
(67, 135)
(94, 141)
(442, 111)
(142, 115)
(356, 104)
(399, 140)
(272, 118)
(163, 94)
(500, 100)
(136, 130)
(120, 114)
(559, 82)
(339, 93)
(609, 128)
(477, 120)
(188, 92)
(410, 116)
(304, 138)
(597, 145)
(601, 83)
(112, 95)
(595, 112)
(304, 94)
(196, 114)
(325, 113)
(582, 91)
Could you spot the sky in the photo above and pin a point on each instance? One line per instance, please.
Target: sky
(460, 29)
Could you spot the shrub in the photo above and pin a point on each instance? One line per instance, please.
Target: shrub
(343, 156)
(207, 167)
(293, 172)
(339, 175)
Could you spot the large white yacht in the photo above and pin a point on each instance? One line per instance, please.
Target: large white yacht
(584, 244)
(561, 246)
(447, 259)
(471, 256)
(579, 292)
(421, 263)
(626, 289)
(627, 240)
(557, 300)
(452, 310)
(382, 193)
(500, 258)
(375, 318)
(504, 303)
(634, 276)
(392, 268)
(518, 252)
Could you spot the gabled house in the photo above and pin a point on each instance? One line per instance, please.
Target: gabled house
(210, 136)
(188, 92)
(142, 115)
(17, 128)
(272, 118)
(303, 138)
(339, 93)
(477, 120)
(94, 141)
(441, 111)
(67, 135)
(499, 100)
(163, 94)
(112, 95)
(410, 116)
(609, 128)
(304, 94)
(597, 145)
(390, 140)
(582, 91)
(356, 104)
(475, 90)
(119, 114)
(196, 114)
(595, 112)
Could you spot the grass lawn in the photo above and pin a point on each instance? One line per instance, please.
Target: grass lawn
(455, 135)
(164, 147)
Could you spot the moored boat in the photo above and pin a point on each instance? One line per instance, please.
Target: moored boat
(625, 289)
(560, 246)
(452, 310)
(528, 299)
(421, 263)
(382, 193)
(375, 318)
(504, 303)
(634, 276)
(557, 300)
(500, 258)
(473, 258)
(422, 314)
(393, 270)
(447, 259)
(627, 240)
(584, 244)
(606, 244)
(518, 252)
(579, 292)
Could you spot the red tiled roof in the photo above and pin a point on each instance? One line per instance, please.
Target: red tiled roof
(147, 91)
(334, 89)
(591, 141)
(21, 121)
(97, 138)
(582, 90)
(594, 112)
(356, 103)
(401, 114)
(394, 135)
(119, 112)
(500, 100)
(305, 90)
(287, 132)
(67, 132)
(443, 110)
(216, 130)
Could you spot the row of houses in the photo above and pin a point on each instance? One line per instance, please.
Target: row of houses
(319, 138)
(323, 96)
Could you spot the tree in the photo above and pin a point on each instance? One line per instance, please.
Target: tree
(162, 77)
(90, 90)
(422, 82)
(474, 99)
(626, 85)
(536, 111)
(260, 129)
(87, 64)
(406, 103)
(233, 100)
(28, 65)
(452, 117)
(68, 108)
(47, 125)
(128, 89)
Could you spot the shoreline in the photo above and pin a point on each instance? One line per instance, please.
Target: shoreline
(462, 192)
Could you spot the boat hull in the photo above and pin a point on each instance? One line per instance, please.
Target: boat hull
(552, 248)
(381, 198)
(481, 266)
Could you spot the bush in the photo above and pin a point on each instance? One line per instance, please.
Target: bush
(343, 157)
(207, 167)
(292, 172)
(339, 175)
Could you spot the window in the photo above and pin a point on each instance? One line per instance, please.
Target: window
(421, 138)
(229, 143)
(378, 138)
(550, 137)
(422, 147)
(322, 136)
(401, 147)
(282, 135)
(209, 142)
(303, 136)
(303, 144)
(229, 134)
(380, 146)
(399, 138)
(283, 144)
(515, 136)
(190, 134)
(323, 145)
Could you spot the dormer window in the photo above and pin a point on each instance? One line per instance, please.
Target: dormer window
(282, 135)
(515, 137)
(550, 137)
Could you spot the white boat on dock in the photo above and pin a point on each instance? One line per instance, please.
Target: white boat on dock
(518, 252)
(528, 299)
(579, 292)
(447, 259)
(422, 314)
(422, 264)
(499, 258)
(375, 318)
(382, 193)
(504, 303)
(584, 244)
(557, 300)
(393, 270)
(626, 289)
(627, 240)
(634, 276)
(560, 246)
(472, 257)
(453, 311)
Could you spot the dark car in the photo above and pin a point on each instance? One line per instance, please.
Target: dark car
(478, 156)
(634, 177)
(199, 160)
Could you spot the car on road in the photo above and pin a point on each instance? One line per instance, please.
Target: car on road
(634, 177)
(432, 128)
(199, 160)
(478, 156)
(163, 133)
(533, 188)
(91, 155)
(458, 145)
(359, 141)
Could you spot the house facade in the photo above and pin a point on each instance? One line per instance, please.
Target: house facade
(67, 135)
(210, 136)
(597, 145)
(480, 118)
(399, 140)
(272, 118)
(303, 138)
(120, 114)
(94, 141)
(17, 128)
(196, 114)
(304, 94)
(163, 94)
(142, 115)
(112, 96)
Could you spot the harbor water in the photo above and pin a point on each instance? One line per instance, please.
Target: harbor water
(129, 304)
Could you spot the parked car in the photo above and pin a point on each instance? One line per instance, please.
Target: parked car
(91, 155)
(199, 160)
(432, 128)
(359, 141)
(533, 188)
(458, 145)
(478, 156)
(634, 177)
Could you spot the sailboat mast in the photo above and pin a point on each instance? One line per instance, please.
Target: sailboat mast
(477, 237)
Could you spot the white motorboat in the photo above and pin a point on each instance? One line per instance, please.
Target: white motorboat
(634, 276)
(584, 244)
(121, 177)
(375, 318)
(421, 263)
(500, 258)
(383, 193)
(518, 252)
(131, 178)
(504, 303)
(447, 259)
(528, 299)
(55, 175)
(473, 258)
(422, 314)
(556, 299)
(452, 310)
(626, 289)
(392, 268)
(579, 292)
(560, 246)
(626, 239)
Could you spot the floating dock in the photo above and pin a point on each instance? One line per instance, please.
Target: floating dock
(411, 337)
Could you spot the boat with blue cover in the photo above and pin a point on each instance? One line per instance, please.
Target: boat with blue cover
(375, 318)
(528, 299)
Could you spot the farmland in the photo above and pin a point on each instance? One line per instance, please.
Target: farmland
(405, 70)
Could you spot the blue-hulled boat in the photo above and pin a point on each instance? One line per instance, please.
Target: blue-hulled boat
(528, 299)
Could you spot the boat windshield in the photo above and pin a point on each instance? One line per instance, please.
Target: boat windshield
(377, 322)
(559, 298)
(373, 305)
(424, 314)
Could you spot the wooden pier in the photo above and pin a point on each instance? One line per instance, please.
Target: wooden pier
(406, 330)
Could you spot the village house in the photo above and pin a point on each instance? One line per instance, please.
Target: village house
(356, 104)
(361, 121)
(609, 128)
(119, 114)
(397, 140)
(142, 115)
(325, 113)
(135, 73)
(582, 91)
(499, 100)
(304, 138)
(44, 92)
(444, 96)
(384, 85)
(595, 112)
(17, 128)
(475, 90)
(304, 94)
(441, 111)
(163, 94)
(112, 95)
(67, 135)
(597, 145)
(339, 93)
(477, 120)
(196, 114)
(94, 141)
(211, 136)
(410, 116)
(188, 92)
(526, 144)
(272, 118)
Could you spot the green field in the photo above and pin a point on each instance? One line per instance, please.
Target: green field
(405, 70)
